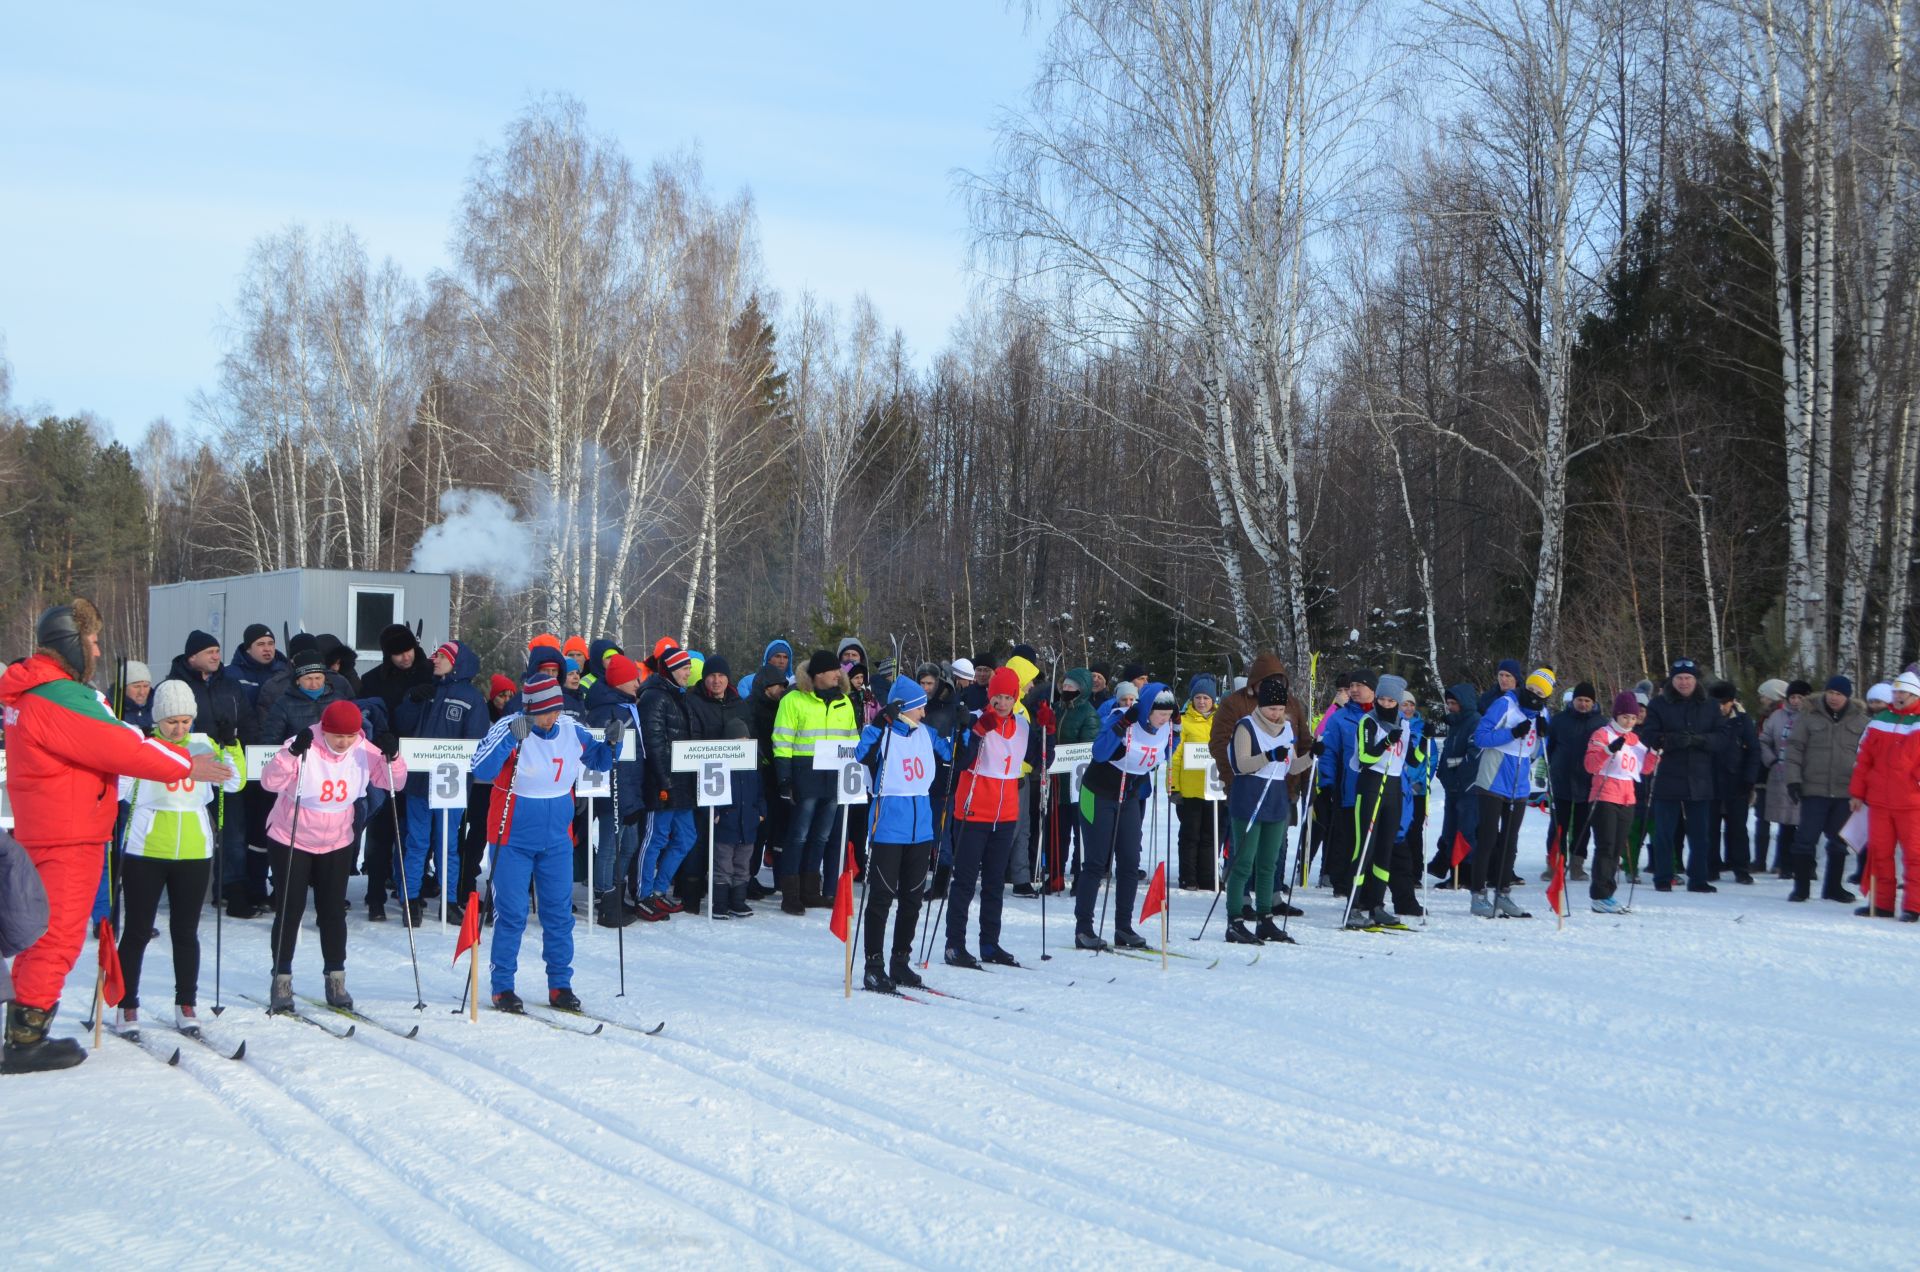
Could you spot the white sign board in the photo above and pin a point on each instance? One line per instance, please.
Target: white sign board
(593, 785)
(731, 753)
(831, 756)
(1072, 759)
(1195, 755)
(257, 757)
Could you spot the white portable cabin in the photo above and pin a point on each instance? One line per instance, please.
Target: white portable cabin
(352, 604)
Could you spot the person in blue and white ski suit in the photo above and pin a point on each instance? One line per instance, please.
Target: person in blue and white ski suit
(905, 756)
(1508, 737)
(533, 757)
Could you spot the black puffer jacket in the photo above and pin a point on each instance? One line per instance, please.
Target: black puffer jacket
(664, 720)
(1689, 733)
(221, 708)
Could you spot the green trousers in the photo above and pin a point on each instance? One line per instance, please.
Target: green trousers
(1256, 849)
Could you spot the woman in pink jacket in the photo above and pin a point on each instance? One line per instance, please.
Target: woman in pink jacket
(310, 837)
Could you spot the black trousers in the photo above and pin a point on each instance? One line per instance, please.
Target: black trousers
(1611, 822)
(1499, 840)
(377, 865)
(326, 874)
(142, 880)
(1378, 806)
(897, 873)
(1198, 849)
(1735, 848)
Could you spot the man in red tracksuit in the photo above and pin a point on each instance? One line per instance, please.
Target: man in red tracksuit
(1886, 779)
(66, 753)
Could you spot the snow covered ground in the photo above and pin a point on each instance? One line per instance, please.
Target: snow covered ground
(1714, 1081)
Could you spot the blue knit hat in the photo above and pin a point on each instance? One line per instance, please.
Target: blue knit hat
(1203, 683)
(1513, 668)
(908, 694)
(1840, 684)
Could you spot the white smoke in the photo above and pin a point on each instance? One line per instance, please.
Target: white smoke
(481, 533)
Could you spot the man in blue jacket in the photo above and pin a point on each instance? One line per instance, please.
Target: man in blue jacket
(447, 707)
(623, 818)
(1458, 765)
(1508, 736)
(1340, 776)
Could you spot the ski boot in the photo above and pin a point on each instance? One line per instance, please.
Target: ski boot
(998, 957)
(1237, 933)
(1607, 905)
(1505, 907)
(900, 971)
(563, 999)
(960, 958)
(1381, 917)
(508, 1001)
(1482, 905)
(1128, 939)
(1088, 941)
(337, 995)
(29, 1050)
(1357, 920)
(875, 980)
(280, 995)
(1266, 930)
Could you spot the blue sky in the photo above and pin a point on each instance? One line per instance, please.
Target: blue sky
(144, 147)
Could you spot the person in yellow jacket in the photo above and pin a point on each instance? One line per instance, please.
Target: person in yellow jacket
(169, 848)
(1025, 839)
(1188, 784)
(816, 710)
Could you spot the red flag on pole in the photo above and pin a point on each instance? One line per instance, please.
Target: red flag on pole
(113, 985)
(469, 927)
(842, 923)
(1156, 894)
(1461, 848)
(1557, 868)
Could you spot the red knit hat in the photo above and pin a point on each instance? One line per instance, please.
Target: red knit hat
(450, 651)
(340, 717)
(544, 638)
(499, 684)
(575, 648)
(621, 670)
(1004, 680)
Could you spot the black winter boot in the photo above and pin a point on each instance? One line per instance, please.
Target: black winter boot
(1802, 864)
(608, 912)
(793, 898)
(900, 971)
(875, 981)
(816, 899)
(29, 1050)
(1237, 933)
(1835, 890)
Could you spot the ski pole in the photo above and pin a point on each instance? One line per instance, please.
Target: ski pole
(1113, 849)
(616, 886)
(286, 876)
(1313, 772)
(406, 901)
(220, 886)
(866, 874)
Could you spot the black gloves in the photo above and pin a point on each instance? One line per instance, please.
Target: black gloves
(300, 742)
(1319, 747)
(420, 693)
(1793, 791)
(1683, 742)
(389, 746)
(1618, 742)
(1277, 755)
(1520, 730)
(225, 733)
(891, 712)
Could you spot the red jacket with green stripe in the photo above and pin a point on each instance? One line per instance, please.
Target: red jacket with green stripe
(66, 754)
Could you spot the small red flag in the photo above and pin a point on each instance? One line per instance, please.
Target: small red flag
(1156, 894)
(842, 924)
(1461, 848)
(1557, 867)
(113, 985)
(469, 927)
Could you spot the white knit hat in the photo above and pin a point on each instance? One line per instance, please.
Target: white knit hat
(174, 698)
(1775, 689)
(962, 671)
(137, 673)
(1882, 692)
(1906, 682)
